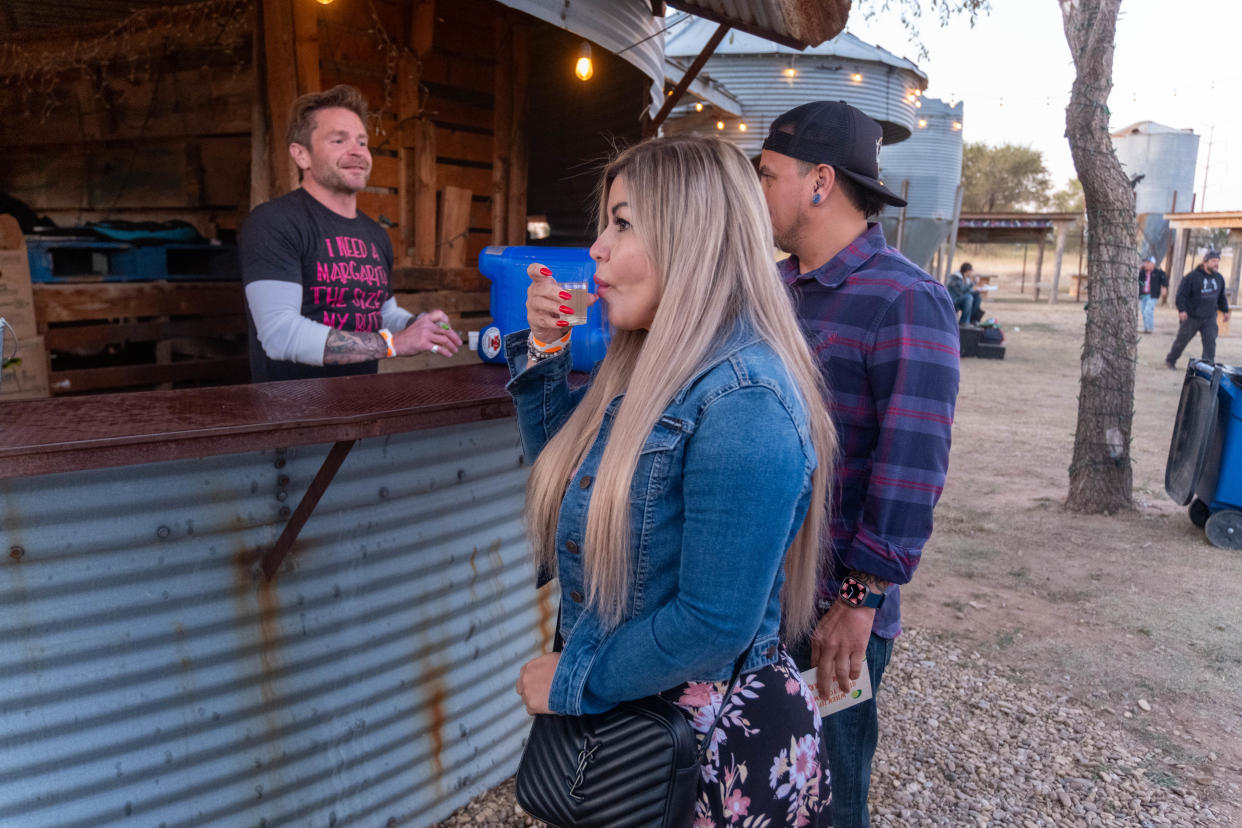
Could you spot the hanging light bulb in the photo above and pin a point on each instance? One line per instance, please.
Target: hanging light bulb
(698, 107)
(791, 72)
(720, 125)
(922, 123)
(957, 125)
(856, 77)
(741, 127)
(324, 2)
(584, 68)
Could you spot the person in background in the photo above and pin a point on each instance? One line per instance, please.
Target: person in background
(965, 295)
(666, 575)
(888, 347)
(1153, 285)
(317, 269)
(1199, 296)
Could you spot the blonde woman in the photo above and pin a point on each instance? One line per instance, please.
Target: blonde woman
(680, 496)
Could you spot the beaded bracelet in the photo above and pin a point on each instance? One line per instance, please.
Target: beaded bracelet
(539, 351)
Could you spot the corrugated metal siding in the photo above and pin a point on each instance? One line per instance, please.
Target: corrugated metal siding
(149, 677)
(759, 82)
(1167, 162)
(931, 160)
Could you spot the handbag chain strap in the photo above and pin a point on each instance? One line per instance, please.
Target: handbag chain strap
(737, 672)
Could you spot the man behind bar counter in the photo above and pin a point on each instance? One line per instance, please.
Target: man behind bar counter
(317, 270)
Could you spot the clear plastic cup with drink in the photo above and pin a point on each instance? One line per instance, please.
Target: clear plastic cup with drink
(578, 291)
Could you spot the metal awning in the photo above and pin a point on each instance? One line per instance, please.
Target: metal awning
(795, 23)
(703, 88)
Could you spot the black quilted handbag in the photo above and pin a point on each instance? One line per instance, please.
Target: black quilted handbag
(635, 766)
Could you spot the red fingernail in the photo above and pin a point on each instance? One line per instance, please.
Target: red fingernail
(561, 323)
(564, 294)
(543, 271)
(565, 309)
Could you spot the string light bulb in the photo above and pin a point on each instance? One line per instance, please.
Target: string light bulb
(856, 77)
(584, 68)
(698, 107)
(922, 123)
(741, 127)
(324, 2)
(957, 126)
(791, 72)
(720, 125)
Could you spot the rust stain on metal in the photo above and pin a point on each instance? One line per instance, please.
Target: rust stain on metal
(435, 700)
(16, 553)
(474, 567)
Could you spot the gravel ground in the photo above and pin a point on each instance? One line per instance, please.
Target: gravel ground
(963, 743)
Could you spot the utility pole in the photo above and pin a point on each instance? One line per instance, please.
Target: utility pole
(1207, 166)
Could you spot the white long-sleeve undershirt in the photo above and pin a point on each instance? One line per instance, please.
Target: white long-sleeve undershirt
(285, 334)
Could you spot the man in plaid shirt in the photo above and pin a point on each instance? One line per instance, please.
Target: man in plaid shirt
(886, 337)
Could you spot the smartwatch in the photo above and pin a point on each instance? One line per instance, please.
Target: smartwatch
(857, 594)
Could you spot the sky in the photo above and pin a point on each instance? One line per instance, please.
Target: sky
(1013, 71)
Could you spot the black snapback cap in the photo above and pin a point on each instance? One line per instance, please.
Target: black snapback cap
(834, 133)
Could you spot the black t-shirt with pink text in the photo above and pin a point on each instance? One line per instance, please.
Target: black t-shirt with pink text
(342, 264)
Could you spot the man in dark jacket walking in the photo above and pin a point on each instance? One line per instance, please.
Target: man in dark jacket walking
(1199, 296)
(1152, 284)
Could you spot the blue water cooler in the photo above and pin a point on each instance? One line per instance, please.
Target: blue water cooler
(506, 268)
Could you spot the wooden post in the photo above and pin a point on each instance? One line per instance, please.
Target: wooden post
(957, 218)
(306, 45)
(502, 129)
(454, 226)
(1056, 268)
(519, 161)
(1039, 265)
(901, 217)
(424, 192)
(1022, 286)
(408, 107)
(281, 86)
(260, 147)
(1235, 271)
(1178, 264)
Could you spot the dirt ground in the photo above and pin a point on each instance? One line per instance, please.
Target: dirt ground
(1110, 609)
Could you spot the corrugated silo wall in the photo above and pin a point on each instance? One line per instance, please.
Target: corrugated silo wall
(758, 81)
(931, 161)
(1167, 163)
(149, 678)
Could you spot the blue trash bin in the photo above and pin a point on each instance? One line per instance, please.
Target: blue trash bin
(506, 268)
(1204, 467)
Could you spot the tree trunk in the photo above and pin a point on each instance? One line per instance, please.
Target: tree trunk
(1100, 473)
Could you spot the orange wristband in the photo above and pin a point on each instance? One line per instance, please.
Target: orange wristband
(387, 334)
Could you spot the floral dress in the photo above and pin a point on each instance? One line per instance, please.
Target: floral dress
(762, 769)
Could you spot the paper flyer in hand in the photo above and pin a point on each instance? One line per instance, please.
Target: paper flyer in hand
(859, 691)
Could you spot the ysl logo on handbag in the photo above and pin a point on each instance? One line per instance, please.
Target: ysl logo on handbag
(584, 759)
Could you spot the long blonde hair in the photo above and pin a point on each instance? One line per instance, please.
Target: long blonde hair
(697, 207)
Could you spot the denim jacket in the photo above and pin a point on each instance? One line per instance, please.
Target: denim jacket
(721, 488)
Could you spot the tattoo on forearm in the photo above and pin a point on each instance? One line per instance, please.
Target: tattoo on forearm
(870, 580)
(345, 348)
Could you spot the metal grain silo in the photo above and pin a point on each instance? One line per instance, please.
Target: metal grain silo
(1165, 158)
(929, 167)
(769, 79)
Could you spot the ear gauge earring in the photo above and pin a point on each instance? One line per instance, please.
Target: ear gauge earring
(815, 199)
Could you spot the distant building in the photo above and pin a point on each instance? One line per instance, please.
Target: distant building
(1165, 158)
(768, 79)
(928, 167)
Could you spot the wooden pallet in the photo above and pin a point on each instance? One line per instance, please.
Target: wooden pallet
(109, 336)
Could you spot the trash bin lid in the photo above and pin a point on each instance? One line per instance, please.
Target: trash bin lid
(1192, 434)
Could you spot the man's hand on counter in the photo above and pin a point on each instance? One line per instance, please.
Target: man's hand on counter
(429, 332)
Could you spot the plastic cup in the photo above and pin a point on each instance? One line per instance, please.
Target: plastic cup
(579, 291)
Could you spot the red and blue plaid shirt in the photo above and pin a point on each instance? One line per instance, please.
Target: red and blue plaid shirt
(885, 334)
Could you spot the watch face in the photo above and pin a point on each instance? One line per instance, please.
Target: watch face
(853, 592)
